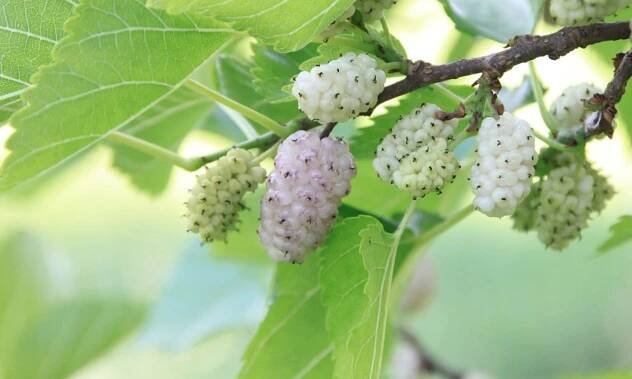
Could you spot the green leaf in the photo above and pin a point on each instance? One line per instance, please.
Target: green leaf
(287, 25)
(354, 278)
(28, 31)
(343, 277)
(272, 70)
(351, 40)
(292, 341)
(205, 296)
(363, 353)
(27, 288)
(621, 233)
(119, 60)
(234, 79)
(71, 335)
(498, 20)
(166, 124)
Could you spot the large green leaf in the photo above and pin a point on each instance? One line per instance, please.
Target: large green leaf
(292, 341)
(354, 277)
(119, 60)
(26, 288)
(28, 31)
(498, 20)
(620, 233)
(205, 296)
(363, 353)
(166, 124)
(71, 335)
(287, 25)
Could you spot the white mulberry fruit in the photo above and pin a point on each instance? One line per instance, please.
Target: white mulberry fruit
(373, 10)
(565, 205)
(216, 199)
(339, 90)
(501, 177)
(574, 12)
(569, 109)
(310, 178)
(415, 155)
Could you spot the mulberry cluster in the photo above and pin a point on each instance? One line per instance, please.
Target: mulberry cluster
(574, 12)
(565, 205)
(562, 203)
(569, 108)
(501, 177)
(216, 199)
(310, 178)
(339, 90)
(415, 155)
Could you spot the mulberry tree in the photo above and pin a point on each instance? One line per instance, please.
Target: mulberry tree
(342, 145)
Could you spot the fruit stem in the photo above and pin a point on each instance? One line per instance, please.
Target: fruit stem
(387, 33)
(263, 141)
(266, 154)
(247, 112)
(538, 92)
(153, 150)
(445, 91)
(550, 141)
(444, 226)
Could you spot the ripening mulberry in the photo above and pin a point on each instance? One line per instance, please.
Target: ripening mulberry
(602, 190)
(373, 10)
(565, 205)
(310, 178)
(216, 199)
(501, 177)
(339, 90)
(574, 12)
(569, 109)
(415, 155)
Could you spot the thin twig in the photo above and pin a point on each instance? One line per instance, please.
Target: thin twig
(521, 49)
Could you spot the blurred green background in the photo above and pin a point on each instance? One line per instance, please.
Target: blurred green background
(98, 280)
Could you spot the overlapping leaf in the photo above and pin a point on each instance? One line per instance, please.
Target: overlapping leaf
(70, 335)
(292, 341)
(26, 289)
(119, 60)
(498, 20)
(355, 280)
(287, 25)
(29, 29)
